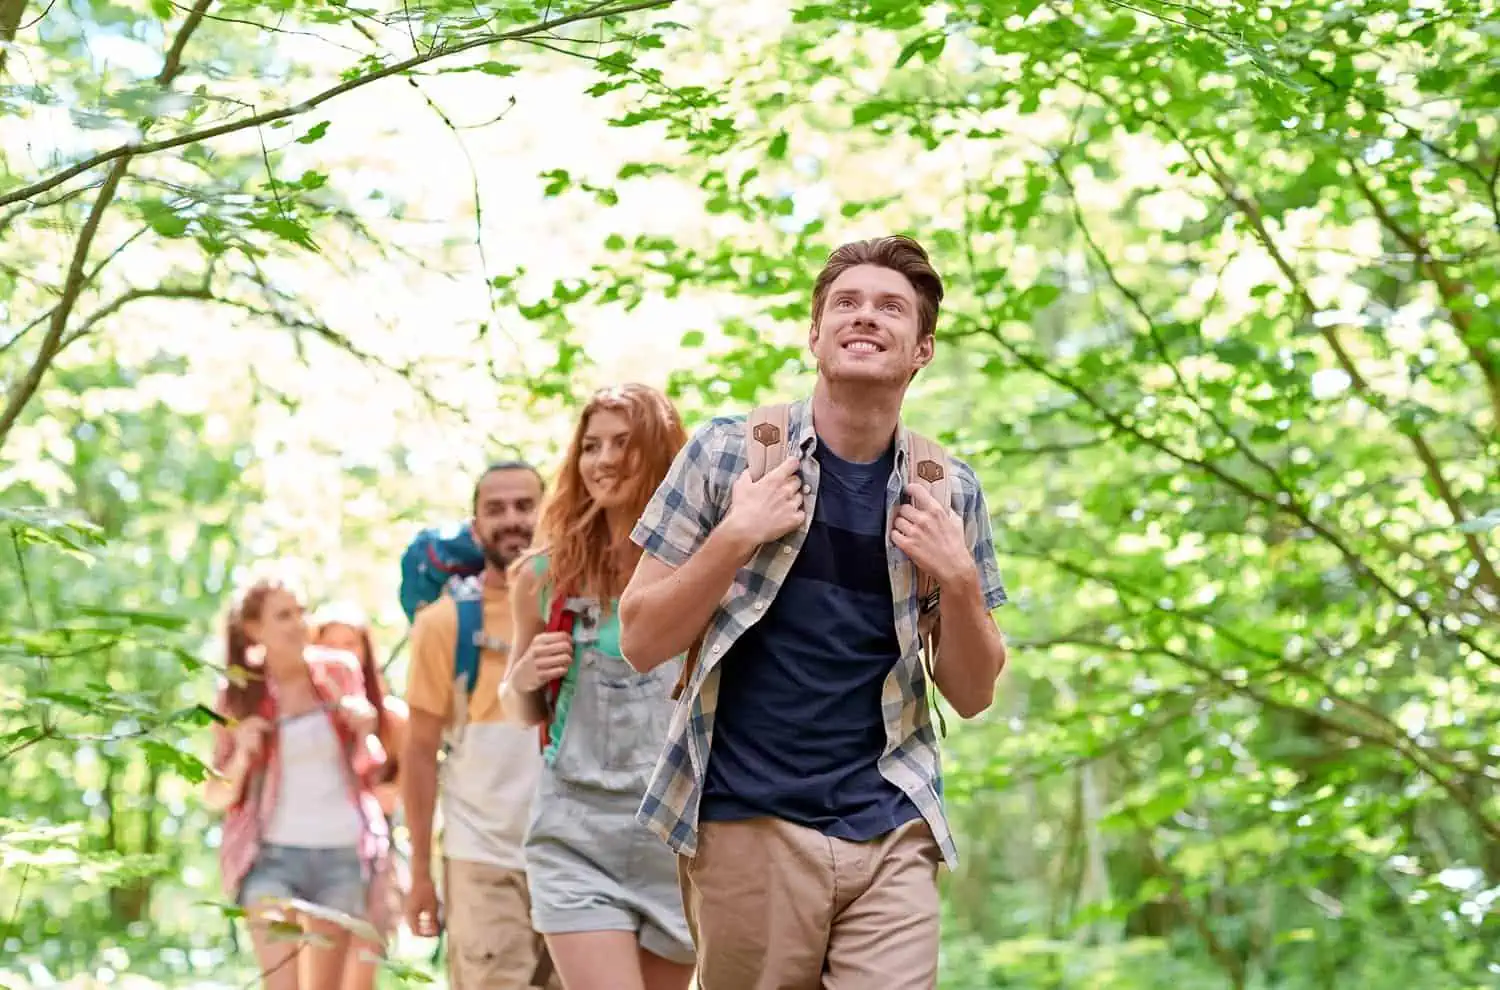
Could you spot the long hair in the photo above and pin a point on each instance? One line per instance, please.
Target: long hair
(573, 528)
(345, 614)
(247, 686)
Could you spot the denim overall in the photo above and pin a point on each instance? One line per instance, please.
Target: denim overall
(591, 865)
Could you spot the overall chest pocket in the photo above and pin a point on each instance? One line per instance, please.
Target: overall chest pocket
(618, 723)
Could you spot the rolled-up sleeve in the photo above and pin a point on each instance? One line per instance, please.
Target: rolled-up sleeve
(980, 535)
(685, 507)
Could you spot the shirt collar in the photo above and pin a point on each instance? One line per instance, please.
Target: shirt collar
(805, 439)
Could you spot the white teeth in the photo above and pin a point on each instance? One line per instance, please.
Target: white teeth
(862, 346)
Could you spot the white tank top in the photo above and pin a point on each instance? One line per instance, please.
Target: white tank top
(313, 804)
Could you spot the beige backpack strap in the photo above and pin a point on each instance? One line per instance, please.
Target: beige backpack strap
(766, 438)
(927, 465)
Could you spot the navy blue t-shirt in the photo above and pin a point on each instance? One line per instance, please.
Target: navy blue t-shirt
(798, 729)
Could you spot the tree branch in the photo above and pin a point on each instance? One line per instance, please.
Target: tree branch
(1451, 291)
(1291, 506)
(1423, 760)
(1488, 577)
(88, 280)
(193, 137)
(271, 315)
(53, 340)
(1252, 213)
(1487, 574)
(1157, 342)
(11, 216)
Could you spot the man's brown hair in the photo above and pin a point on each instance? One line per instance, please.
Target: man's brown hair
(896, 252)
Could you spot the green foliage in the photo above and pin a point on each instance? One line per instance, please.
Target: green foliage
(1220, 337)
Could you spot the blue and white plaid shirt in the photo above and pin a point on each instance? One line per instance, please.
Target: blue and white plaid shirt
(686, 507)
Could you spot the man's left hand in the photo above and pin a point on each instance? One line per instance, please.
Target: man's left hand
(932, 535)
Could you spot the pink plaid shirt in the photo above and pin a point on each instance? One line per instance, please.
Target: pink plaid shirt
(335, 675)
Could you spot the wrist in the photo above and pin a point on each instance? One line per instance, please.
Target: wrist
(961, 581)
(735, 540)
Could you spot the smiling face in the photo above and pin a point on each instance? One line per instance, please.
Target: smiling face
(869, 329)
(280, 627)
(604, 460)
(506, 502)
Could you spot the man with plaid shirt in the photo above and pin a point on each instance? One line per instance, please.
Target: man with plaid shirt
(800, 784)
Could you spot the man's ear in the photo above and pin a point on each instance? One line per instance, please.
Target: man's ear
(926, 349)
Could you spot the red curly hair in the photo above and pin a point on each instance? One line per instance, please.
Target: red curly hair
(573, 528)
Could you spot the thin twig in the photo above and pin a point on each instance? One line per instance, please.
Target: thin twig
(194, 137)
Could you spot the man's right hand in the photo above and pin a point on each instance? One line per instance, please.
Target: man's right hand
(422, 905)
(768, 509)
(547, 658)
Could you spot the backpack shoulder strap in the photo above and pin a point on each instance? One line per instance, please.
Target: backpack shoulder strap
(560, 618)
(766, 438)
(470, 604)
(927, 465)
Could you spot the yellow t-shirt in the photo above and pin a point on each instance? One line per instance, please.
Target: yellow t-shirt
(491, 769)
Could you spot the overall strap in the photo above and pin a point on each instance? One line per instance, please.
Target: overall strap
(927, 465)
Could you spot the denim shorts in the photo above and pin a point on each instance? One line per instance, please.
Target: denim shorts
(332, 878)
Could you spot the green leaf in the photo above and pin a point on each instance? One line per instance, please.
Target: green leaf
(162, 218)
(168, 757)
(314, 133)
(285, 228)
(928, 46)
(693, 338)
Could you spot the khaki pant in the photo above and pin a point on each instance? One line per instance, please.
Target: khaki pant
(491, 945)
(775, 906)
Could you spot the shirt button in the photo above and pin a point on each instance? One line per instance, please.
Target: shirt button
(786, 549)
(716, 647)
(759, 606)
(807, 489)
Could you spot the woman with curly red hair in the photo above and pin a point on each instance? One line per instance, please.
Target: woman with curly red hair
(295, 762)
(603, 889)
